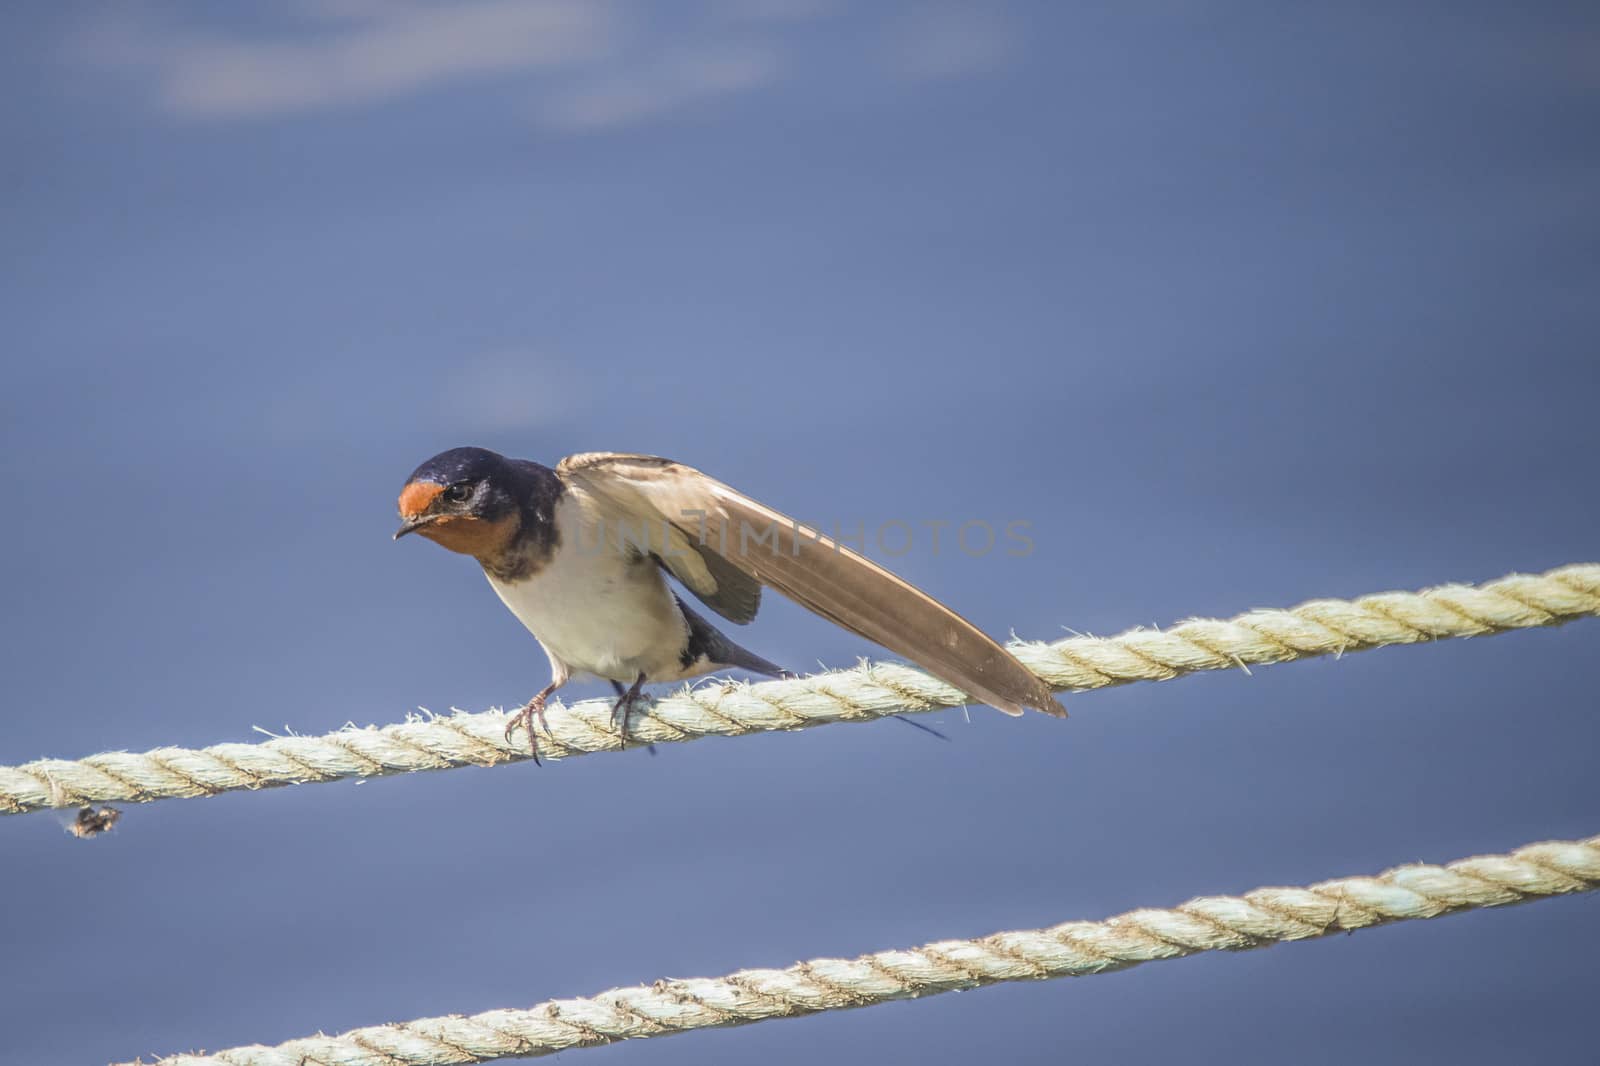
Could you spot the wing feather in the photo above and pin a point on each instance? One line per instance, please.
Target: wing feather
(741, 544)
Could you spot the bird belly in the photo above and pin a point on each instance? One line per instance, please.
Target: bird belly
(601, 613)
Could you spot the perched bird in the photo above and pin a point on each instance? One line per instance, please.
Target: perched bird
(579, 554)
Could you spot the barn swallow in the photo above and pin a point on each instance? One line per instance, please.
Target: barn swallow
(580, 554)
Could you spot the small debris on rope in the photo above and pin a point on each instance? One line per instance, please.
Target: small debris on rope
(92, 821)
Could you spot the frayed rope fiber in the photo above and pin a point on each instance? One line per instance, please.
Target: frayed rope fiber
(1211, 923)
(869, 691)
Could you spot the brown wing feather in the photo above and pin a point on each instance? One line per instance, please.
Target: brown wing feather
(715, 582)
(824, 577)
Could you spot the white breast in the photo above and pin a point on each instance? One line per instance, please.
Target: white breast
(596, 607)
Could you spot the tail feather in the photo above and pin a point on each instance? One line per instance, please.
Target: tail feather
(706, 641)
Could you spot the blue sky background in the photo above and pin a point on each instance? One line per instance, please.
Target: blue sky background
(1238, 304)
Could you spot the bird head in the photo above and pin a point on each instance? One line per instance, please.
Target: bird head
(461, 499)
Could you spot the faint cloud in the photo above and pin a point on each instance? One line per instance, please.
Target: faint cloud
(778, 10)
(335, 400)
(949, 41)
(1568, 59)
(587, 65)
(380, 51)
(1585, 62)
(508, 390)
(653, 88)
(348, 10)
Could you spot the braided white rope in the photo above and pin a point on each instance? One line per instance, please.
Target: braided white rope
(1320, 627)
(1210, 923)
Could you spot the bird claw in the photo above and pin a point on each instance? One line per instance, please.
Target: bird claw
(626, 699)
(534, 708)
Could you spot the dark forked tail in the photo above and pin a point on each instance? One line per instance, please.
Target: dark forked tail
(706, 640)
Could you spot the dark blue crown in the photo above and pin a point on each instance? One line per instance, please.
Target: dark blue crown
(461, 464)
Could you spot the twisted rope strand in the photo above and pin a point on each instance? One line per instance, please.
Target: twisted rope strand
(872, 690)
(1257, 919)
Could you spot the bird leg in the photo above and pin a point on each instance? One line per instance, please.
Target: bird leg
(626, 698)
(534, 708)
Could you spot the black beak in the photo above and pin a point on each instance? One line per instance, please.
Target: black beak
(411, 525)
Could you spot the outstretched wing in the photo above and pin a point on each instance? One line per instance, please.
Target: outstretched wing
(724, 546)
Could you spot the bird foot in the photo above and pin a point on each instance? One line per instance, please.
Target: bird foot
(534, 708)
(626, 701)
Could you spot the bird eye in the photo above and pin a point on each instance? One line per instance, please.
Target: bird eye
(460, 492)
